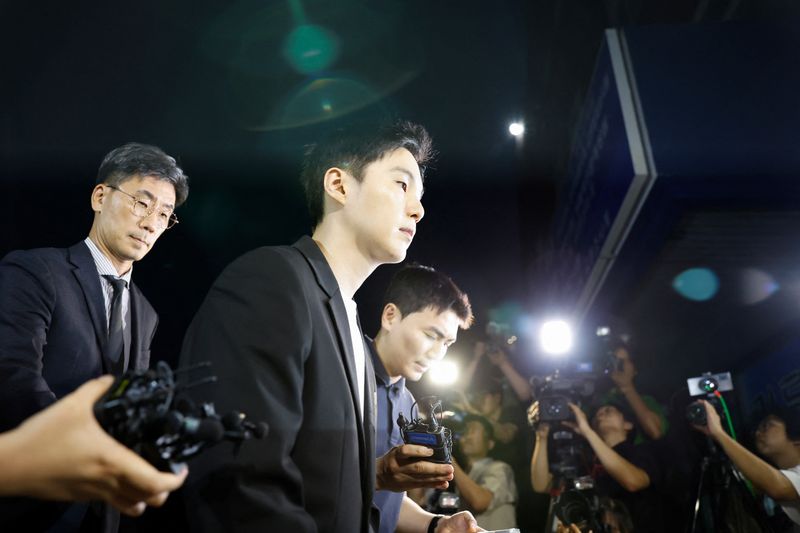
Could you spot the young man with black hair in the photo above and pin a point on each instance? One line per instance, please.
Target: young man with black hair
(281, 329)
(68, 315)
(624, 471)
(422, 312)
(777, 438)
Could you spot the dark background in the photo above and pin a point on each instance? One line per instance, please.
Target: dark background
(207, 82)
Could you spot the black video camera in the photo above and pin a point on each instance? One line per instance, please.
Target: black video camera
(706, 385)
(142, 411)
(559, 389)
(581, 508)
(428, 432)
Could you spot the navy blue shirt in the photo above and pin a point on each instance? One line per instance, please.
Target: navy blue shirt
(393, 399)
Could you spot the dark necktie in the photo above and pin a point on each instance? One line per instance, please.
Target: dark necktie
(116, 336)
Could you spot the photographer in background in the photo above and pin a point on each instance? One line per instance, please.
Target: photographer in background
(486, 486)
(622, 470)
(649, 413)
(498, 357)
(778, 439)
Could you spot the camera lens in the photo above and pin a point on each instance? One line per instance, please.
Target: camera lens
(696, 414)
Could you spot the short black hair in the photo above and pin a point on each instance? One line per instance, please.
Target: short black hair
(354, 147)
(620, 405)
(136, 159)
(416, 287)
(488, 430)
(790, 419)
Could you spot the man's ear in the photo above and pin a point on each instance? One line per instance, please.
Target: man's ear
(491, 444)
(391, 315)
(334, 183)
(628, 426)
(99, 197)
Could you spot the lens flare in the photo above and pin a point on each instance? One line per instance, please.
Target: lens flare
(696, 284)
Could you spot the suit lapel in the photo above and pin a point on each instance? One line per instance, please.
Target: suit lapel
(85, 271)
(338, 313)
(339, 318)
(137, 319)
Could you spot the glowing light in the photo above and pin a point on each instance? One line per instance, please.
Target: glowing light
(555, 337)
(756, 286)
(310, 48)
(516, 129)
(443, 372)
(697, 284)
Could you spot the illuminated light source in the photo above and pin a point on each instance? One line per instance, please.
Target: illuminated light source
(555, 337)
(443, 372)
(516, 129)
(697, 284)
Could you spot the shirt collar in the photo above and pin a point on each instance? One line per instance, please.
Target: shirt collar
(103, 263)
(380, 371)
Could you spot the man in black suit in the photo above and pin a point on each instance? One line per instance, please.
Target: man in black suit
(70, 315)
(280, 328)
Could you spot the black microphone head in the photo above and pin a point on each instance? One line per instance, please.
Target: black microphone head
(260, 430)
(208, 430)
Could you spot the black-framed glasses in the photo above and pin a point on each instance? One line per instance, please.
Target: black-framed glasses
(143, 207)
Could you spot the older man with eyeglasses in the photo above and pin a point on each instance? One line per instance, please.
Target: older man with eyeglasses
(73, 314)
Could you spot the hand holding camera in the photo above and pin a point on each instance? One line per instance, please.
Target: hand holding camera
(405, 467)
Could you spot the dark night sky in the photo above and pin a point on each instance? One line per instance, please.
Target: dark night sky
(208, 82)
(210, 85)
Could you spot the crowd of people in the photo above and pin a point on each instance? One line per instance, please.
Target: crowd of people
(282, 331)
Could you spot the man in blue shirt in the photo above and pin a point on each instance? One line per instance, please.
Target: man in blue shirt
(422, 312)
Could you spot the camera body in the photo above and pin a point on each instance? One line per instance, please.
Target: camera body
(559, 389)
(708, 385)
(581, 507)
(429, 432)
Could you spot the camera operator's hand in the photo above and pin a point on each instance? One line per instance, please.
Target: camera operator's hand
(497, 356)
(403, 467)
(542, 428)
(581, 425)
(713, 427)
(571, 529)
(479, 350)
(462, 522)
(62, 453)
(623, 377)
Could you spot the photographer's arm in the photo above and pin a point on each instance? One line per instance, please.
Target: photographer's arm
(648, 420)
(477, 353)
(477, 498)
(631, 477)
(541, 478)
(764, 477)
(62, 453)
(521, 386)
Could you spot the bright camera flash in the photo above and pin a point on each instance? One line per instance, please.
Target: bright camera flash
(555, 337)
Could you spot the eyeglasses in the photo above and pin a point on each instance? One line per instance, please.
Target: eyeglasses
(143, 207)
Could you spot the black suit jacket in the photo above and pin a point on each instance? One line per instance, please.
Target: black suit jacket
(53, 329)
(275, 329)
